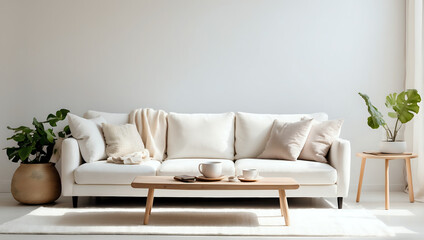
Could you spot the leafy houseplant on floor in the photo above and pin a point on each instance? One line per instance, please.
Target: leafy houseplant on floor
(404, 105)
(36, 181)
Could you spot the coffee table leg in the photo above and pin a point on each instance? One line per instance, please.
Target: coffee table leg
(149, 204)
(284, 206)
(281, 202)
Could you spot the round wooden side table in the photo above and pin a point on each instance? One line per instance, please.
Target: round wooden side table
(387, 158)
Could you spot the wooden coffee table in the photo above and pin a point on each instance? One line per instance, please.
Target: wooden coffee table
(168, 182)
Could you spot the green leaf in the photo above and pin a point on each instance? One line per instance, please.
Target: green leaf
(51, 116)
(59, 114)
(19, 137)
(407, 104)
(391, 100)
(51, 131)
(15, 159)
(21, 128)
(53, 122)
(61, 134)
(413, 96)
(392, 115)
(37, 124)
(376, 118)
(40, 132)
(67, 130)
(49, 135)
(12, 152)
(64, 113)
(24, 152)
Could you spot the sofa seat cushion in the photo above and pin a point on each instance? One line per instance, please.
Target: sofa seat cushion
(304, 172)
(102, 172)
(174, 167)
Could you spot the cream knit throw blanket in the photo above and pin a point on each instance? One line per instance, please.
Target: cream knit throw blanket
(152, 126)
(131, 159)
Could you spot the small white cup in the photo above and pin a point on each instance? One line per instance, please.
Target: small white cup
(211, 169)
(250, 174)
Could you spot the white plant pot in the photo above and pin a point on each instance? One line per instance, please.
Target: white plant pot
(393, 147)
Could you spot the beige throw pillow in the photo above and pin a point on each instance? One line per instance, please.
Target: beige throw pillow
(286, 140)
(320, 138)
(122, 140)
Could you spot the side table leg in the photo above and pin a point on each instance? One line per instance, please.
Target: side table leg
(361, 176)
(284, 207)
(409, 174)
(149, 204)
(387, 185)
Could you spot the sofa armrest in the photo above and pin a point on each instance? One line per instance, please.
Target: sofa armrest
(339, 157)
(71, 159)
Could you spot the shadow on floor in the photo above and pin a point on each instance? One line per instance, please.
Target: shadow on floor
(204, 202)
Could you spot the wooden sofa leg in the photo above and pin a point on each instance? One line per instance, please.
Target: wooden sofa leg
(75, 201)
(340, 202)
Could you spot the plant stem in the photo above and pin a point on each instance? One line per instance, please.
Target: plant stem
(395, 130)
(389, 134)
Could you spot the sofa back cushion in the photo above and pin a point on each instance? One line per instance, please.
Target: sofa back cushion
(112, 118)
(201, 135)
(253, 130)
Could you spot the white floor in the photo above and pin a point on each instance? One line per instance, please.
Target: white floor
(406, 219)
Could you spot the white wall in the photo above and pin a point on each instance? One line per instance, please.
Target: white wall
(265, 56)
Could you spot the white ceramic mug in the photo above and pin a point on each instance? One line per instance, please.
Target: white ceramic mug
(211, 169)
(250, 174)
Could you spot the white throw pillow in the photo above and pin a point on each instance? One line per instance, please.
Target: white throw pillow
(122, 140)
(201, 135)
(89, 135)
(320, 138)
(286, 140)
(253, 130)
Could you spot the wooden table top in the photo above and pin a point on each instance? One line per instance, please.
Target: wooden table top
(168, 182)
(387, 155)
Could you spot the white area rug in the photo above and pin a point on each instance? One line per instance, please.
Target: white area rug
(198, 221)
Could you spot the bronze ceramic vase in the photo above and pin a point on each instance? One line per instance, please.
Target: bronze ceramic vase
(37, 183)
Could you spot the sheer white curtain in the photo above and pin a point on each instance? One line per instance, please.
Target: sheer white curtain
(414, 79)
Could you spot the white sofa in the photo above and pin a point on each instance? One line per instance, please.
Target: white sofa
(250, 133)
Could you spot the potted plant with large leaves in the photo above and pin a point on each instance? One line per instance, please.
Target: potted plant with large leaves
(403, 108)
(36, 181)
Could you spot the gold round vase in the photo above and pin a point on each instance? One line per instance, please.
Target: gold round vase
(36, 183)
